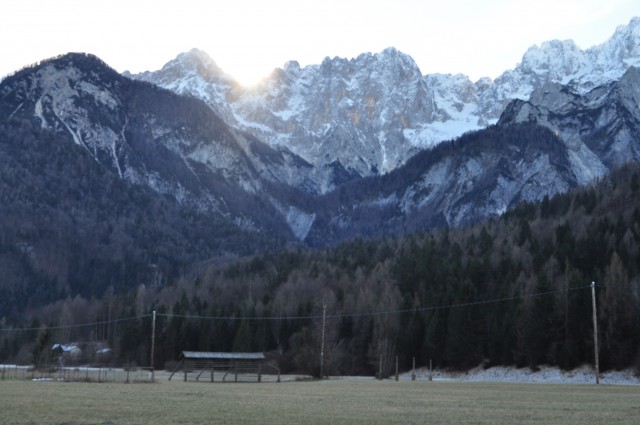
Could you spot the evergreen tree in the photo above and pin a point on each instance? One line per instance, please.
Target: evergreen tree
(243, 341)
(619, 318)
(42, 350)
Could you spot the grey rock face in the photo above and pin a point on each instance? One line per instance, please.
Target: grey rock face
(361, 117)
(353, 145)
(559, 139)
(151, 137)
(601, 128)
(368, 115)
(480, 175)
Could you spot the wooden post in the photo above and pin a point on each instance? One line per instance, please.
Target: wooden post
(324, 321)
(153, 345)
(380, 369)
(413, 370)
(430, 371)
(259, 371)
(397, 375)
(595, 332)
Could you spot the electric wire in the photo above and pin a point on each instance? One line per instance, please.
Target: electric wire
(376, 313)
(82, 325)
(310, 316)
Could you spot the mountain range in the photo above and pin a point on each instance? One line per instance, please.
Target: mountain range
(315, 155)
(368, 115)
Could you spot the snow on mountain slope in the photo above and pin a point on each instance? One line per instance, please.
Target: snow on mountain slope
(178, 147)
(481, 174)
(195, 73)
(565, 63)
(363, 116)
(600, 128)
(175, 145)
(368, 115)
(329, 125)
(354, 112)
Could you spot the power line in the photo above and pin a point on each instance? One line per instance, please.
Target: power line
(461, 305)
(628, 285)
(104, 322)
(377, 313)
(310, 317)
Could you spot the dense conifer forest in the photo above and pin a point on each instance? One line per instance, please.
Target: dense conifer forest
(514, 290)
(70, 227)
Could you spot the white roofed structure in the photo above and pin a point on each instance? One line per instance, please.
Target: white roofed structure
(226, 367)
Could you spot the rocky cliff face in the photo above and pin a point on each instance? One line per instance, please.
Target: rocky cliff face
(340, 136)
(368, 115)
(562, 137)
(600, 128)
(480, 175)
(153, 138)
(563, 62)
(348, 118)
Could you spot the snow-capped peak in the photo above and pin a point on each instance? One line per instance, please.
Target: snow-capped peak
(556, 59)
(369, 114)
(622, 49)
(198, 59)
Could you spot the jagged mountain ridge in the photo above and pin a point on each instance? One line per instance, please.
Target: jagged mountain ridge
(336, 115)
(153, 138)
(600, 128)
(480, 175)
(178, 147)
(368, 115)
(557, 140)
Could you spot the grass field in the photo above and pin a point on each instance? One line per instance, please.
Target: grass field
(326, 402)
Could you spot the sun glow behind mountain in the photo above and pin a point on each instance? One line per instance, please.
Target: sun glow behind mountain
(249, 38)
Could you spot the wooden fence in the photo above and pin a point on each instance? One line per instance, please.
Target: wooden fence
(76, 373)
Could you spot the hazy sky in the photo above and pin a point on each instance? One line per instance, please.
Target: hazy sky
(248, 38)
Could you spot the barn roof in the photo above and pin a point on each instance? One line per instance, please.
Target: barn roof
(222, 356)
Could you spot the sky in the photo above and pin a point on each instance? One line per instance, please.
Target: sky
(249, 38)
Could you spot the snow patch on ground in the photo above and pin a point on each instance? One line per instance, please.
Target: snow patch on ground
(545, 374)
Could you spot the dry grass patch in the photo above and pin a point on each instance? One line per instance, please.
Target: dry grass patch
(334, 402)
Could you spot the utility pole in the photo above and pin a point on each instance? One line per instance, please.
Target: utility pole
(595, 331)
(413, 370)
(397, 371)
(153, 345)
(324, 321)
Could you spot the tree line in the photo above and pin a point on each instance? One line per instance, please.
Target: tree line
(514, 290)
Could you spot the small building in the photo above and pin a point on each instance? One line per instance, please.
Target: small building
(81, 352)
(225, 367)
(66, 353)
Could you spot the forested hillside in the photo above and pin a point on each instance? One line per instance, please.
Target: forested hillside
(70, 227)
(512, 291)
